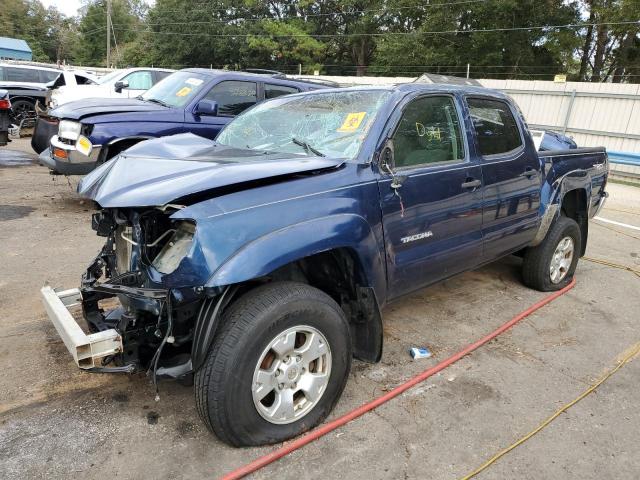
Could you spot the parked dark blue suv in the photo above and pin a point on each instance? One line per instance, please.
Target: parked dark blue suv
(77, 136)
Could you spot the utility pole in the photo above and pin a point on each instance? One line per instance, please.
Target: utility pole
(108, 33)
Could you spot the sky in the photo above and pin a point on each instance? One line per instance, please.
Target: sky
(69, 7)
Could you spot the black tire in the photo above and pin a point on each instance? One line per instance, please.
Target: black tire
(537, 260)
(223, 386)
(21, 109)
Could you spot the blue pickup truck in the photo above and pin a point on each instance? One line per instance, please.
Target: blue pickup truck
(75, 137)
(259, 264)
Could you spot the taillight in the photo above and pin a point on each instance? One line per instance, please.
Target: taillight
(5, 104)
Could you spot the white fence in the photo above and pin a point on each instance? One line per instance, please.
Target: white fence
(593, 114)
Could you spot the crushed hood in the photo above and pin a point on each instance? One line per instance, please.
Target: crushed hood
(79, 109)
(160, 171)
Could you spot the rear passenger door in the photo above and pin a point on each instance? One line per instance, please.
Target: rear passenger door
(431, 203)
(511, 175)
(233, 97)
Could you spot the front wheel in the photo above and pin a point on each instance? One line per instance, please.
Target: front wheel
(550, 265)
(277, 367)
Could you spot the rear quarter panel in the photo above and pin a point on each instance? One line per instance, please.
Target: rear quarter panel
(566, 170)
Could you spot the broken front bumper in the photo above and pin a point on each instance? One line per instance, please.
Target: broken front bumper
(87, 350)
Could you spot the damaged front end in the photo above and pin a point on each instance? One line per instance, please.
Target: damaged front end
(141, 309)
(148, 297)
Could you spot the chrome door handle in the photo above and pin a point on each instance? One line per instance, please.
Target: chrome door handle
(470, 183)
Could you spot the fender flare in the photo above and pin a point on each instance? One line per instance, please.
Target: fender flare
(574, 180)
(132, 137)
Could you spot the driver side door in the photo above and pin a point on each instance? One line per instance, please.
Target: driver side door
(431, 198)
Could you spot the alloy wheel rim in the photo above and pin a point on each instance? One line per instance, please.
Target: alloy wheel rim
(291, 375)
(561, 260)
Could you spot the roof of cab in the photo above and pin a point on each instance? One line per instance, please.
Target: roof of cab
(407, 88)
(252, 76)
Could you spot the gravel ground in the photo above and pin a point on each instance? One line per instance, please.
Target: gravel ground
(59, 422)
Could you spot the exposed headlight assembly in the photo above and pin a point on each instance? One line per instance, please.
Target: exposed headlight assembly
(69, 130)
(178, 247)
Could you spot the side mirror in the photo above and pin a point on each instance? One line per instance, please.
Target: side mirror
(207, 107)
(386, 159)
(119, 86)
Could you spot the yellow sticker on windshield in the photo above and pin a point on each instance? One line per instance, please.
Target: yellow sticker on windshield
(352, 122)
(183, 92)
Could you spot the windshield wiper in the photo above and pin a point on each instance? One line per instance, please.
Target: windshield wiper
(155, 100)
(307, 148)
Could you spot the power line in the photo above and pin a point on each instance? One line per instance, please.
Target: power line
(414, 32)
(416, 6)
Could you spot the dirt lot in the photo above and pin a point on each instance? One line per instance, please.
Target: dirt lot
(58, 422)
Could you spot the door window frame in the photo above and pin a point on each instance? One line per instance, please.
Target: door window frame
(509, 155)
(430, 165)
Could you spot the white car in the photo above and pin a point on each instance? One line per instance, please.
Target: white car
(27, 85)
(127, 83)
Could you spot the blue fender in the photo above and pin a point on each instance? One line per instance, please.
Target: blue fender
(278, 248)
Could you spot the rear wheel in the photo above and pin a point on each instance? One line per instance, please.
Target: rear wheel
(20, 110)
(277, 367)
(551, 264)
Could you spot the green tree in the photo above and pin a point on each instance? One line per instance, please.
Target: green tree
(93, 29)
(44, 30)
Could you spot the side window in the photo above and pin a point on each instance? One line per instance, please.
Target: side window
(496, 129)
(141, 80)
(47, 76)
(273, 91)
(14, 74)
(80, 80)
(428, 132)
(233, 96)
(160, 75)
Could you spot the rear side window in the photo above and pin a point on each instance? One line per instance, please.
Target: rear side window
(160, 75)
(428, 132)
(273, 91)
(15, 74)
(496, 129)
(233, 96)
(47, 76)
(80, 80)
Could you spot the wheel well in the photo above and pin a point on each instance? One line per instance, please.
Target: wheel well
(575, 206)
(339, 274)
(30, 100)
(115, 148)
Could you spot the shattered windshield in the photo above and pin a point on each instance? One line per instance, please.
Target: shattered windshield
(332, 124)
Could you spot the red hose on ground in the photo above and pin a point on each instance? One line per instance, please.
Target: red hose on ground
(324, 429)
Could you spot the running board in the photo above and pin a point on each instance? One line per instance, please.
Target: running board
(87, 350)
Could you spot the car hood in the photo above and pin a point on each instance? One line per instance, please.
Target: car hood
(179, 167)
(80, 109)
